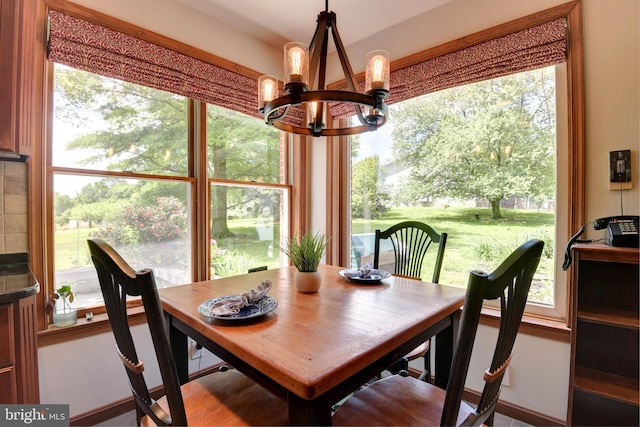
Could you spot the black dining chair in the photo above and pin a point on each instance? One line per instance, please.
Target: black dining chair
(226, 398)
(411, 240)
(404, 400)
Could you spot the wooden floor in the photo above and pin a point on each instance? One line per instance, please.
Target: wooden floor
(129, 420)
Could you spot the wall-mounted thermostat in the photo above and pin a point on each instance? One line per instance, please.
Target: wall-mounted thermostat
(620, 170)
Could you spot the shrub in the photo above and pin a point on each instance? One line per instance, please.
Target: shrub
(165, 221)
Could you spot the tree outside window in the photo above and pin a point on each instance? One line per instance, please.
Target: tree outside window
(120, 167)
(476, 161)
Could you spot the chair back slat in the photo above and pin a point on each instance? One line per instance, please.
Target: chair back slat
(510, 283)
(411, 240)
(118, 281)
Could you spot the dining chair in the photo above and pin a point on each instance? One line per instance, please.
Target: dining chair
(221, 398)
(404, 400)
(411, 240)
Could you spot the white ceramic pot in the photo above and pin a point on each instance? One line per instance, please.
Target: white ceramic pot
(307, 281)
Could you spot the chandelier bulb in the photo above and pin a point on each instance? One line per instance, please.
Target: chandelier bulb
(296, 63)
(377, 71)
(267, 90)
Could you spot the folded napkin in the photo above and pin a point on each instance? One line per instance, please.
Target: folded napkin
(362, 272)
(232, 305)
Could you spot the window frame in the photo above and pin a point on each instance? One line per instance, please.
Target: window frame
(197, 143)
(41, 173)
(338, 152)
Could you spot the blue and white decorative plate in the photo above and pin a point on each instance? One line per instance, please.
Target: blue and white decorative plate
(263, 306)
(355, 275)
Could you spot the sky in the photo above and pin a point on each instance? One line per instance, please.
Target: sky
(376, 142)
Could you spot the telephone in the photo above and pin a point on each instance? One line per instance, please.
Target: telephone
(620, 231)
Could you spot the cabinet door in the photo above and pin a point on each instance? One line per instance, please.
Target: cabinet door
(21, 74)
(8, 382)
(7, 65)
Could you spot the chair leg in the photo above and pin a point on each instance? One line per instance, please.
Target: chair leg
(139, 414)
(404, 367)
(426, 373)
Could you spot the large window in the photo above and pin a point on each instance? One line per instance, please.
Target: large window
(551, 38)
(123, 167)
(119, 160)
(476, 161)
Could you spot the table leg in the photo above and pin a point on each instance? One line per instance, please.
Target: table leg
(178, 341)
(307, 412)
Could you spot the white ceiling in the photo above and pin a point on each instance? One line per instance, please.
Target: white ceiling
(277, 22)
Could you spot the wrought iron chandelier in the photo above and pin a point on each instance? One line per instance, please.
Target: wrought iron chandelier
(300, 76)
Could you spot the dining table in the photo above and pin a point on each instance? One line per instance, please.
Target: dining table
(314, 349)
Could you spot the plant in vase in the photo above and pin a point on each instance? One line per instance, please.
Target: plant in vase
(60, 303)
(305, 252)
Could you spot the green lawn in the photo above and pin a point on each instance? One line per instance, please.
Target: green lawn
(475, 241)
(71, 248)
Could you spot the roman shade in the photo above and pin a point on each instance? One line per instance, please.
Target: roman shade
(91, 47)
(535, 47)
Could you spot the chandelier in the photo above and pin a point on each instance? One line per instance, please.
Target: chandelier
(301, 63)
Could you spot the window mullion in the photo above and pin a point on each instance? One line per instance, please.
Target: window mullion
(200, 229)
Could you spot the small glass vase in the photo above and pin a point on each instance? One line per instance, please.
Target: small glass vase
(62, 318)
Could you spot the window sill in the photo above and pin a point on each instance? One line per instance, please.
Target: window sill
(543, 327)
(85, 328)
(531, 325)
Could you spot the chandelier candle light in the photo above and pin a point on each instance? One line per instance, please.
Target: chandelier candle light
(299, 77)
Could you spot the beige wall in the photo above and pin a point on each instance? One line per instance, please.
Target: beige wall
(612, 93)
(540, 370)
(13, 208)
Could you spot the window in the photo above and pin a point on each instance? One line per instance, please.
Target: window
(121, 168)
(476, 161)
(119, 160)
(569, 86)
(159, 154)
(249, 200)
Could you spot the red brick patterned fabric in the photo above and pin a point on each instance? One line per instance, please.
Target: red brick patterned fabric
(535, 47)
(91, 47)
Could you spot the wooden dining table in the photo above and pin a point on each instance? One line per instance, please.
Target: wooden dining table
(314, 349)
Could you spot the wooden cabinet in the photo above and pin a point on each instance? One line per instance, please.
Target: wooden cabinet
(18, 352)
(21, 75)
(603, 383)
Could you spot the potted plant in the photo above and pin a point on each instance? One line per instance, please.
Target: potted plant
(60, 303)
(305, 252)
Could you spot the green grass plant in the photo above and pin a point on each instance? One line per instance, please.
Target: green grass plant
(305, 251)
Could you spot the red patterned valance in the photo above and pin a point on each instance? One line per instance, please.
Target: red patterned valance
(91, 47)
(534, 47)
